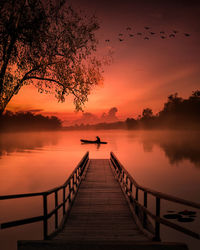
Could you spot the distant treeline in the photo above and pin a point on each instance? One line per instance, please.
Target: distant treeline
(27, 121)
(177, 113)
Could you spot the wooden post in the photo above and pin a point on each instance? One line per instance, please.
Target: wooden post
(56, 212)
(122, 177)
(157, 224)
(136, 198)
(72, 187)
(69, 195)
(131, 187)
(75, 179)
(63, 200)
(45, 225)
(144, 213)
(126, 183)
(77, 174)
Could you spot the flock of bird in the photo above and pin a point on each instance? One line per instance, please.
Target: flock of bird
(147, 34)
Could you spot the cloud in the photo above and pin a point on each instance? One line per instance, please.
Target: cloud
(110, 116)
(89, 118)
(33, 110)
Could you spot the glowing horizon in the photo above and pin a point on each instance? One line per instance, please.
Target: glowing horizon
(144, 72)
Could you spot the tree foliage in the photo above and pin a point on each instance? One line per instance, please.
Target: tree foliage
(147, 113)
(176, 113)
(50, 45)
(27, 121)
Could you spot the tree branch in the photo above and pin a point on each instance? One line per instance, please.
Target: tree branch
(52, 80)
(44, 79)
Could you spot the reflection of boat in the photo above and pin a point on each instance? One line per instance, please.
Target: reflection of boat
(87, 141)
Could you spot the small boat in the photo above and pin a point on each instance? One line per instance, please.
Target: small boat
(88, 141)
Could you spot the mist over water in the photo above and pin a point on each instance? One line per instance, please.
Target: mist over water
(166, 161)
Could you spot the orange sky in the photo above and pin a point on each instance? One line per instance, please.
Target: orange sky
(143, 72)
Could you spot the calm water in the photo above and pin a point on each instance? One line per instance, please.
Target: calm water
(29, 162)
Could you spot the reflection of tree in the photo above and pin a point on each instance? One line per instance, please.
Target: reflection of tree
(21, 142)
(178, 146)
(148, 147)
(178, 153)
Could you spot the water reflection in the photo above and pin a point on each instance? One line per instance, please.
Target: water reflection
(177, 145)
(25, 142)
(96, 145)
(145, 154)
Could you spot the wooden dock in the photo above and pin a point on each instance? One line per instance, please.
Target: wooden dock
(98, 208)
(100, 218)
(100, 211)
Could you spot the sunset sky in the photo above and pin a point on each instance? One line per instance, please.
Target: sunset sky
(144, 71)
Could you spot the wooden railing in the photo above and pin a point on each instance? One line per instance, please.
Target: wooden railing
(131, 190)
(69, 189)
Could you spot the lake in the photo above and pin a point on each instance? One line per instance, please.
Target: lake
(166, 161)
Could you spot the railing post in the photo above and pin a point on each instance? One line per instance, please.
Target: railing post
(144, 212)
(131, 187)
(122, 176)
(136, 198)
(75, 179)
(157, 224)
(45, 225)
(63, 200)
(69, 195)
(126, 184)
(77, 176)
(56, 212)
(73, 184)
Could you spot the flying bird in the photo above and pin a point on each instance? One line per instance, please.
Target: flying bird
(147, 28)
(175, 31)
(163, 37)
(162, 32)
(152, 33)
(171, 35)
(121, 39)
(146, 38)
(131, 35)
(107, 40)
(186, 34)
(120, 34)
(139, 33)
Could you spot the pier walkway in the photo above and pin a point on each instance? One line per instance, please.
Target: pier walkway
(100, 210)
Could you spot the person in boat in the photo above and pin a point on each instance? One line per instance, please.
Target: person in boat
(98, 139)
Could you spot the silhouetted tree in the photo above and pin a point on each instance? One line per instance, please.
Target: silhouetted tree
(147, 118)
(173, 103)
(50, 45)
(195, 94)
(147, 113)
(28, 121)
(179, 112)
(131, 123)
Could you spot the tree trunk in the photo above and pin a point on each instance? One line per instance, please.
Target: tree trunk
(1, 112)
(5, 63)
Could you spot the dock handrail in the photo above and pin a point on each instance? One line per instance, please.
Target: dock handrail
(141, 211)
(70, 185)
